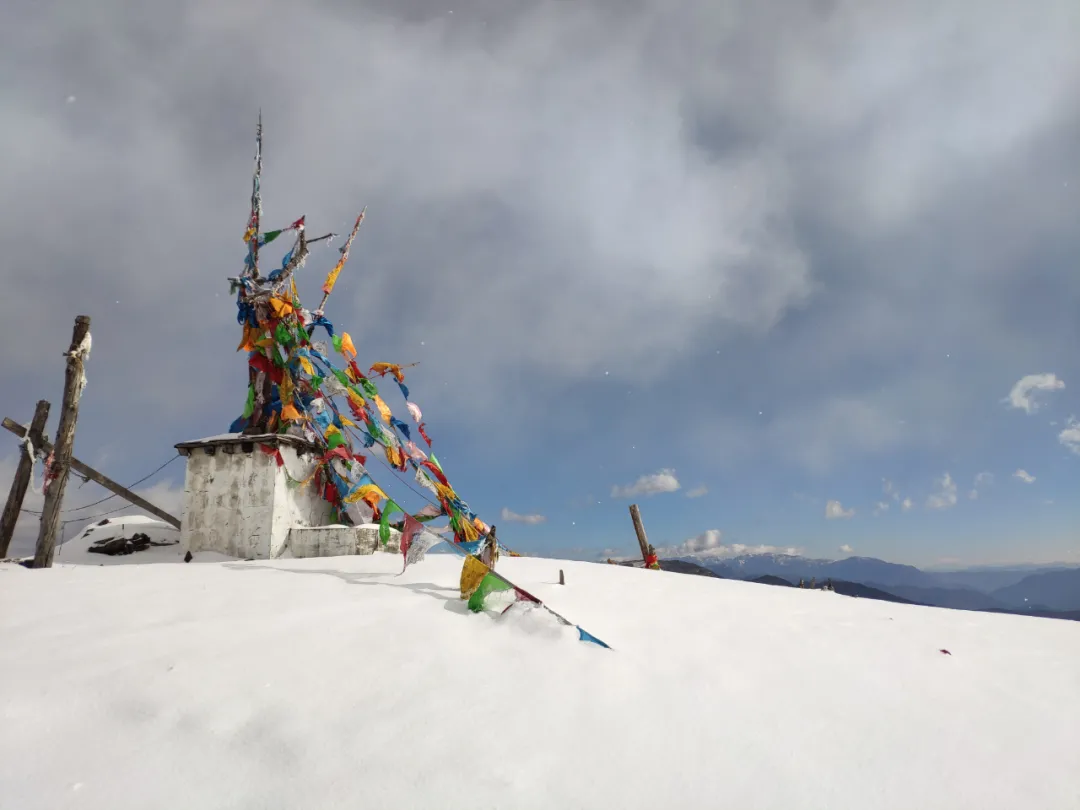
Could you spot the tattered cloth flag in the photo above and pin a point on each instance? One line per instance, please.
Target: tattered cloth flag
(472, 574)
(488, 585)
(416, 541)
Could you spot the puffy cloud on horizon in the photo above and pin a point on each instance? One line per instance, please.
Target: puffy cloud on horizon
(648, 485)
(710, 544)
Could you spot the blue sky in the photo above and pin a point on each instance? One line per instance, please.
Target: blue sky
(785, 257)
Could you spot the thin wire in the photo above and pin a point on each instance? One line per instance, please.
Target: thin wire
(129, 486)
(109, 498)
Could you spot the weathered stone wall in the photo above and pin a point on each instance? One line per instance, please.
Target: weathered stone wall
(238, 503)
(337, 541)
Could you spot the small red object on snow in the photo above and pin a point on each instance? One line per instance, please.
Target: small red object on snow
(946, 652)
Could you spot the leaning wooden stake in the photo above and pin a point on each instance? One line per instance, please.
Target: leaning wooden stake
(643, 541)
(60, 466)
(22, 478)
(98, 478)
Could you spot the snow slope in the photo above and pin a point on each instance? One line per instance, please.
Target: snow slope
(333, 683)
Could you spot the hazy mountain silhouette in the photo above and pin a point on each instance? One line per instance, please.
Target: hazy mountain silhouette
(1052, 590)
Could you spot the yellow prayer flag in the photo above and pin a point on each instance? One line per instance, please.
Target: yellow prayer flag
(364, 492)
(347, 347)
(384, 409)
(472, 574)
(331, 279)
(280, 307)
(470, 532)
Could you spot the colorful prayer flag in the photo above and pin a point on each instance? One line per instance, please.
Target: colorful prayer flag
(488, 585)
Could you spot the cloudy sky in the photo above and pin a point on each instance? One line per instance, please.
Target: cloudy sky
(799, 275)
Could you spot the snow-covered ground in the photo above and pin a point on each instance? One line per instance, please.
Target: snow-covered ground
(334, 683)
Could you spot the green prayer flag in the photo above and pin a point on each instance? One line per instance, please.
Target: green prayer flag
(335, 440)
(384, 521)
(249, 406)
(270, 236)
(336, 339)
(488, 585)
(369, 387)
(435, 461)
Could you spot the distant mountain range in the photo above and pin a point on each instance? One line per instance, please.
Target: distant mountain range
(1034, 590)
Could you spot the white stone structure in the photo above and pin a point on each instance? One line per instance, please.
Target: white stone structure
(237, 500)
(337, 541)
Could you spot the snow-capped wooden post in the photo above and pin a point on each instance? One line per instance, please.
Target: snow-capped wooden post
(639, 527)
(60, 465)
(22, 477)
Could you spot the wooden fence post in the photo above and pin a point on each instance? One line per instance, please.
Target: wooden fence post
(74, 380)
(643, 541)
(22, 478)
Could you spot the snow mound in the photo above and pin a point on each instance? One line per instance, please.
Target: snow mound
(162, 544)
(340, 682)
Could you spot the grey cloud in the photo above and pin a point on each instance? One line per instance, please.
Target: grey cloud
(555, 191)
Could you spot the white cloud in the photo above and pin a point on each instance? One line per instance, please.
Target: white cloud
(1023, 393)
(945, 497)
(663, 481)
(1025, 476)
(907, 505)
(1070, 436)
(888, 488)
(834, 510)
(698, 492)
(514, 517)
(981, 480)
(710, 544)
(846, 549)
(881, 507)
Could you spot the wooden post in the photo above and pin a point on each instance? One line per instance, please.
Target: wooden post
(562, 577)
(643, 541)
(65, 440)
(22, 478)
(98, 478)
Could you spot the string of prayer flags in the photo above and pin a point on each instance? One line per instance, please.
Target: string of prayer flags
(478, 581)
